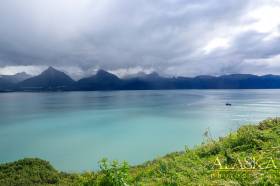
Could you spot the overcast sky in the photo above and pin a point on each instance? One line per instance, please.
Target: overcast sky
(172, 37)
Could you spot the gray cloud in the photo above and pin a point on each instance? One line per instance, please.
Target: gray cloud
(168, 36)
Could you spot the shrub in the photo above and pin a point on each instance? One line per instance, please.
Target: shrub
(167, 171)
(28, 171)
(88, 179)
(248, 138)
(115, 174)
(209, 149)
(269, 123)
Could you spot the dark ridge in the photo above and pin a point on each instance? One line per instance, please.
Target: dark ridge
(48, 80)
(6, 86)
(54, 80)
(103, 80)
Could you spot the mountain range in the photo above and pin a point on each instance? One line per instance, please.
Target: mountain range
(55, 80)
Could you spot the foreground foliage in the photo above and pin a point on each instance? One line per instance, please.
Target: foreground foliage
(249, 156)
(30, 171)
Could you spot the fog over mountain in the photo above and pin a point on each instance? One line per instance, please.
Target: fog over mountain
(18, 77)
(171, 37)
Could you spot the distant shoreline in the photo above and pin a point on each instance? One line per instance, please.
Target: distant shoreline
(55, 91)
(55, 80)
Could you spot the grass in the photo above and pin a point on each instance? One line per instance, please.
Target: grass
(249, 156)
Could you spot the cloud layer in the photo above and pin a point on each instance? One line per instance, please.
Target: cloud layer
(173, 37)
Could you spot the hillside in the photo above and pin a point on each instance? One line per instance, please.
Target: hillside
(249, 156)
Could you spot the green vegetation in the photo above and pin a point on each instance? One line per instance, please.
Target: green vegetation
(249, 156)
(31, 171)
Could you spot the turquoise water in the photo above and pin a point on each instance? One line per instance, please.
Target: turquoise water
(73, 130)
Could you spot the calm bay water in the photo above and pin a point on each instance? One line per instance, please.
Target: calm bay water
(74, 130)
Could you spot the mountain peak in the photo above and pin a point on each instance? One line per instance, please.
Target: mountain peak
(48, 80)
(102, 72)
(102, 80)
(154, 75)
(51, 69)
(52, 72)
